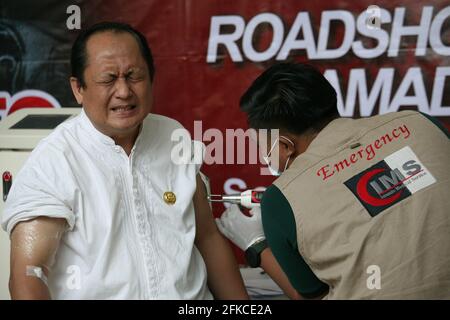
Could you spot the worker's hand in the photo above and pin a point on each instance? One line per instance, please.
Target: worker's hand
(243, 231)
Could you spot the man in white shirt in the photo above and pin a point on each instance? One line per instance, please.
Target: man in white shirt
(99, 210)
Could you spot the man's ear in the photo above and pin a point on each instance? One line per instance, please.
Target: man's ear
(77, 89)
(286, 147)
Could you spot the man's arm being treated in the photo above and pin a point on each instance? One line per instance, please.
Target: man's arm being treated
(34, 244)
(224, 278)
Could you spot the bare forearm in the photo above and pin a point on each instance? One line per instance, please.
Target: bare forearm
(224, 278)
(273, 269)
(34, 244)
(28, 288)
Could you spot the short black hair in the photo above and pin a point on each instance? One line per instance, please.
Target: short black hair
(78, 58)
(290, 96)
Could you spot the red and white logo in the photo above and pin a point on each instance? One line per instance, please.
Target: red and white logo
(396, 177)
(25, 99)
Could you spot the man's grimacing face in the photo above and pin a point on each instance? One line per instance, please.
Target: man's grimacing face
(118, 92)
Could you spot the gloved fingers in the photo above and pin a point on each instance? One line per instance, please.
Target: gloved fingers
(231, 214)
(221, 227)
(225, 218)
(225, 214)
(233, 211)
(256, 211)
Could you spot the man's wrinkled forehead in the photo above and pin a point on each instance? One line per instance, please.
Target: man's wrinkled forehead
(108, 47)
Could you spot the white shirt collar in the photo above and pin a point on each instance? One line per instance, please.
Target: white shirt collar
(99, 136)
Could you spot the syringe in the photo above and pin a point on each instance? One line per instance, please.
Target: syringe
(248, 199)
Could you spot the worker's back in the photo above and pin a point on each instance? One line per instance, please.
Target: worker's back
(371, 199)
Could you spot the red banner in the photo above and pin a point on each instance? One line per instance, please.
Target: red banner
(383, 58)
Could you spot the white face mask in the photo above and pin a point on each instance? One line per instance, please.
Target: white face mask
(273, 171)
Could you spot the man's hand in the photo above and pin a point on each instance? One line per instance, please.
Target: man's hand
(243, 231)
(224, 278)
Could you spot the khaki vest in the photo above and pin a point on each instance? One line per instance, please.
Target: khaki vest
(372, 221)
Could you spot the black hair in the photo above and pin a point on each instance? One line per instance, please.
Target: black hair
(290, 96)
(78, 58)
